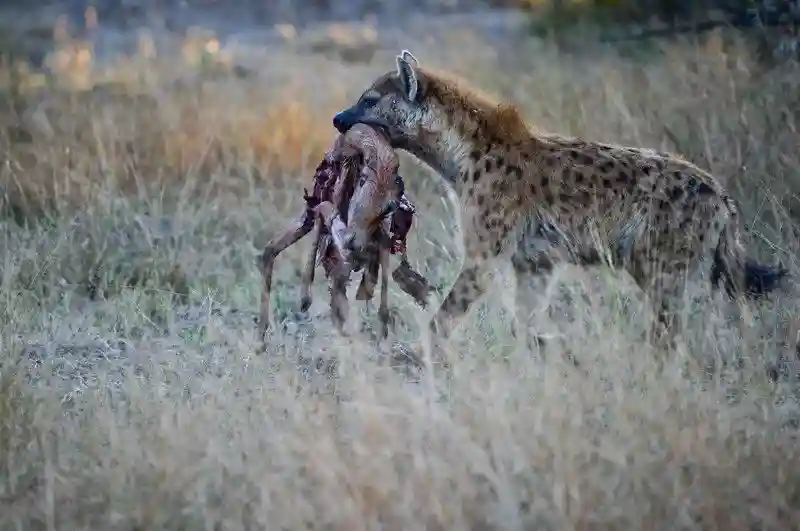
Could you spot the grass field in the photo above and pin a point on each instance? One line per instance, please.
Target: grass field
(133, 394)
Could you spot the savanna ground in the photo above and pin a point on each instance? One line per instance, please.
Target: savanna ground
(134, 391)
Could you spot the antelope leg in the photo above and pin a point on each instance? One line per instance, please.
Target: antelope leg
(290, 235)
(340, 275)
(411, 282)
(308, 272)
(366, 290)
(336, 227)
(383, 309)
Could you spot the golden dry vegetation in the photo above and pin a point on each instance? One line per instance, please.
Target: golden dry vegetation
(133, 391)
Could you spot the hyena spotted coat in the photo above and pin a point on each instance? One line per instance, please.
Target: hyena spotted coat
(541, 199)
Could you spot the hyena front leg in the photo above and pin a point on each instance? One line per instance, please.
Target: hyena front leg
(290, 235)
(470, 286)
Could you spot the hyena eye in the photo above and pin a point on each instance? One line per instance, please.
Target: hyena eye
(370, 100)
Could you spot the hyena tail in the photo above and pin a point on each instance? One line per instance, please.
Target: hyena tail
(740, 274)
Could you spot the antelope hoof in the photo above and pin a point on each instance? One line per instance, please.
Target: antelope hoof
(339, 311)
(305, 302)
(385, 318)
(338, 320)
(364, 292)
(263, 329)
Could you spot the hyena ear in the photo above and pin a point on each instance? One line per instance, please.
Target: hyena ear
(406, 70)
(408, 56)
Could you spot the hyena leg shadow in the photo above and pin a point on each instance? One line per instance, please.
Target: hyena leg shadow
(532, 289)
(540, 248)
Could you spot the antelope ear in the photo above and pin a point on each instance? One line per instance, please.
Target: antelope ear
(406, 71)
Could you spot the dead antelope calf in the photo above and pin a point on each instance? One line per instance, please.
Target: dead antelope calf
(361, 217)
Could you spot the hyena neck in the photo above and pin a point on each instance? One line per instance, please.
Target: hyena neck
(454, 156)
(469, 130)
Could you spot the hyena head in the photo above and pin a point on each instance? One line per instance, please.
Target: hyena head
(397, 103)
(435, 117)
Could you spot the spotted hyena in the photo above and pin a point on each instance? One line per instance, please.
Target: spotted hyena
(540, 199)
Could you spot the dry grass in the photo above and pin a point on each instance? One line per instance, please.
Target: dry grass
(133, 394)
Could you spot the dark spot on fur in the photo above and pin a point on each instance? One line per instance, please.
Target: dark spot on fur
(545, 181)
(501, 161)
(623, 177)
(675, 194)
(497, 246)
(705, 189)
(487, 165)
(475, 155)
(606, 167)
(607, 184)
(585, 159)
(677, 175)
(692, 182)
(514, 170)
(476, 175)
